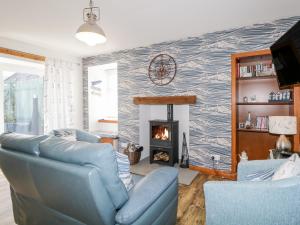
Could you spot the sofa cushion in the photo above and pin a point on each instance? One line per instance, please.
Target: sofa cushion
(68, 134)
(124, 170)
(100, 156)
(22, 143)
(86, 136)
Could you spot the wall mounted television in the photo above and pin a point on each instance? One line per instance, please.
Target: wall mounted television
(286, 57)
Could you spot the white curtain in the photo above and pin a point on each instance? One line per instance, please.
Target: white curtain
(58, 94)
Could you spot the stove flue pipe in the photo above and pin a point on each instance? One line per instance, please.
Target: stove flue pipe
(170, 112)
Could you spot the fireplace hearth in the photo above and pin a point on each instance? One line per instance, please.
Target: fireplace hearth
(164, 140)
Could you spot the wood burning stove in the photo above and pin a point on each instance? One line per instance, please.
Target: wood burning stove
(164, 140)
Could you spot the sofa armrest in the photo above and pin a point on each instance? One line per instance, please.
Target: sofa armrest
(249, 167)
(264, 202)
(145, 193)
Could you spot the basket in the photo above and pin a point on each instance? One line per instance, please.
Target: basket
(134, 157)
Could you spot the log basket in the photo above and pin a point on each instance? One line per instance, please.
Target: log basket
(134, 157)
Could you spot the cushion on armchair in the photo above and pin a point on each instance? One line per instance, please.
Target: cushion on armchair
(289, 169)
(260, 175)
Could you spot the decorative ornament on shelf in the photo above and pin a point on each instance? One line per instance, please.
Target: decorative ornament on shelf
(89, 32)
(243, 156)
(248, 121)
(253, 98)
(162, 69)
(281, 96)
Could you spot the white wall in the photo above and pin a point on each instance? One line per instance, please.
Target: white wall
(152, 112)
(77, 80)
(34, 49)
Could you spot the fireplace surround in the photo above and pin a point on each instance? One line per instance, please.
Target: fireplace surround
(153, 108)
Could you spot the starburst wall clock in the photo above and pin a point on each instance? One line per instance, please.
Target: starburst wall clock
(162, 69)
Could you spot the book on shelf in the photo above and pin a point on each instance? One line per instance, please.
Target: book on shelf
(257, 70)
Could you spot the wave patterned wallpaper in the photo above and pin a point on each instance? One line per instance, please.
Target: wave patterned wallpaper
(203, 69)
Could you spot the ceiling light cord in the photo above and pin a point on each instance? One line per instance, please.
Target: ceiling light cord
(91, 10)
(91, 4)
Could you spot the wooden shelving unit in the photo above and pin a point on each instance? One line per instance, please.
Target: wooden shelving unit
(257, 142)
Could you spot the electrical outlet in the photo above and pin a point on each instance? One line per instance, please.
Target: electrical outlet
(215, 160)
(215, 157)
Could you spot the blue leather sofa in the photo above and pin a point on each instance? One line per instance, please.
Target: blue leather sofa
(253, 202)
(57, 182)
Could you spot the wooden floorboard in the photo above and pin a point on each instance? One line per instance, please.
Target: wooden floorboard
(6, 215)
(191, 204)
(191, 207)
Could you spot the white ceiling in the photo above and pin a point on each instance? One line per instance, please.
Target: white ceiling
(51, 24)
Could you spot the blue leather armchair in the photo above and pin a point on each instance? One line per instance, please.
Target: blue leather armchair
(58, 182)
(253, 202)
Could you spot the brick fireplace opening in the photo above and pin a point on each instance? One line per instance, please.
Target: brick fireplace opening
(164, 140)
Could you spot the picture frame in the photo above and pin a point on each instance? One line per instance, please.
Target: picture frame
(241, 125)
(262, 122)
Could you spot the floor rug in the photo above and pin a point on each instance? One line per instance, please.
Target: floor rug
(186, 176)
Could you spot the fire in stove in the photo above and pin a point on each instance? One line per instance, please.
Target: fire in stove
(161, 133)
(164, 141)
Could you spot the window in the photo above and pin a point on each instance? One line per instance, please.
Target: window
(103, 95)
(22, 95)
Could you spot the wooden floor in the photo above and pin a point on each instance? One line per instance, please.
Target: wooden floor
(191, 204)
(191, 208)
(6, 215)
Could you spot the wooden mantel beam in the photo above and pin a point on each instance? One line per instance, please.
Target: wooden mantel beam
(164, 100)
(22, 54)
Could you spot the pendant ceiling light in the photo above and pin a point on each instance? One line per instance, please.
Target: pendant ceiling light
(89, 32)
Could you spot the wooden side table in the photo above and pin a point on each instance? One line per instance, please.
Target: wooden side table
(111, 140)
